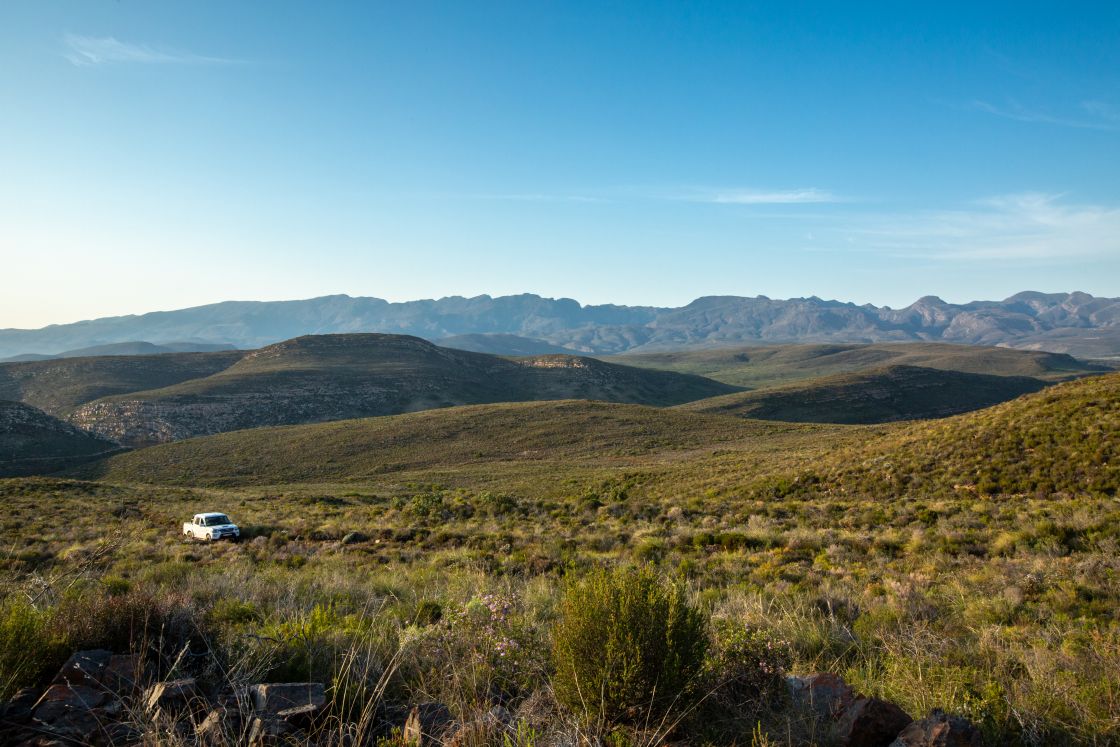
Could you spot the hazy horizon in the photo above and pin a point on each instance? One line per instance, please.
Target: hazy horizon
(190, 153)
(582, 303)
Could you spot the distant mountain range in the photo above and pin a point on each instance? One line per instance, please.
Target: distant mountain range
(1074, 323)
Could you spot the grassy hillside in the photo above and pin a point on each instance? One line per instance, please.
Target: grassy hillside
(32, 441)
(873, 396)
(138, 347)
(1060, 441)
(58, 386)
(499, 344)
(335, 377)
(758, 367)
(568, 433)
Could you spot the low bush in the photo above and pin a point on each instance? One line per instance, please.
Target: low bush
(27, 650)
(746, 669)
(628, 647)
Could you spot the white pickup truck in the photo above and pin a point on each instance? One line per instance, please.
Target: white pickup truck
(211, 526)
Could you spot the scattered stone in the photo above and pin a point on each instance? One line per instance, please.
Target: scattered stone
(78, 723)
(299, 717)
(824, 693)
(82, 703)
(270, 699)
(267, 730)
(170, 696)
(84, 668)
(18, 709)
(121, 733)
(939, 730)
(854, 720)
(426, 724)
(61, 702)
(221, 726)
(870, 722)
(123, 674)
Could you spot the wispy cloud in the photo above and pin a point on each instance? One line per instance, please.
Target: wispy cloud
(1096, 115)
(1042, 228)
(1102, 109)
(534, 197)
(761, 197)
(85, 51)
(790, 197)
(717, 196)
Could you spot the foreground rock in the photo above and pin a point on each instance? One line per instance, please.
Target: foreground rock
(85, 699)
(165, 699)
(853, 720)
(939, 730)
(282, 709)
(96, 699)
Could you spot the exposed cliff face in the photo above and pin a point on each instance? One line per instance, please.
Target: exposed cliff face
(334, 377)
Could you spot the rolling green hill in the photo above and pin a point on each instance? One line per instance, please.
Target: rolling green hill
(32, 441)
(335, 377)
(498, 344)
(757, 367)
(58, 386)
(567, 432)
(874, 396)
(136, 347)
(1062, 440)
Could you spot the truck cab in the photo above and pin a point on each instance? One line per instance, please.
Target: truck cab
(211, 526)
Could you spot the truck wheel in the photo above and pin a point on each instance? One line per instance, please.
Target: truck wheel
(209, 538)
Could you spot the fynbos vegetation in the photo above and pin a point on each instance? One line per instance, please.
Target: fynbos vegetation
(648, 583)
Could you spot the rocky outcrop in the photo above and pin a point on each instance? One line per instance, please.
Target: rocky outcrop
(165, 700)
(85, 702)
(100, 698)
(851, 719)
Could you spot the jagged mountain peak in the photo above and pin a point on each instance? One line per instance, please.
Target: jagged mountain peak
(1076, 323)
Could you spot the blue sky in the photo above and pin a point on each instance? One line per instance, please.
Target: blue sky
(162, 155)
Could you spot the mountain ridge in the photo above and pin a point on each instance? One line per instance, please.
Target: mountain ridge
(1076, 323)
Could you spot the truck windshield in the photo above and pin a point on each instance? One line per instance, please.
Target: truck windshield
(213, 521)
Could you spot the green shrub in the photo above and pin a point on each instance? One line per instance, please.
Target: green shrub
(628, 647)
(747, 669)
(228, 612)
(123, 622)
(27, 650)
